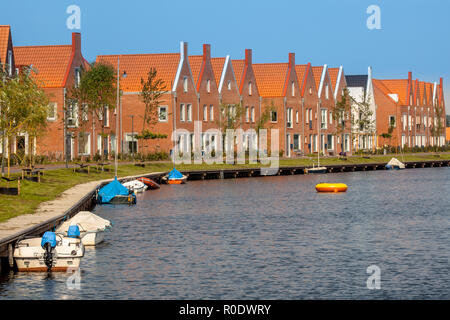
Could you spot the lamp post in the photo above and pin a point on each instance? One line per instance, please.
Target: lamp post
(132, 136)
(116, 153)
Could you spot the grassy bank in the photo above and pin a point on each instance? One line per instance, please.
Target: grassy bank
(54, 182)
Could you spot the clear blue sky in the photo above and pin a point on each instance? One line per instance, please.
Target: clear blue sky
(413, 36)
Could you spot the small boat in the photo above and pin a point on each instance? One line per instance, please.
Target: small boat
(149, 183)
(395, 164)
(52, 252)
(175, 177)
(92, 227)
(135, 186)
(331, 187)
(115, 193)
(316, 170)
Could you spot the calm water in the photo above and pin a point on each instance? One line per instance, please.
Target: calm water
(268, 238)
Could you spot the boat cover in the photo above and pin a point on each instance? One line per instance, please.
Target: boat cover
(111, 190)
(175, 174)
(396, 163)
(87, 221)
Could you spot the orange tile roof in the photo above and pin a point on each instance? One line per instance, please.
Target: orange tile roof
(217, 65)
(301, 70)
(333, 72)
(317, 73)
(195, 62)
(138, 65)
(270, 78)
(447, 130)
(5, 31)
(238, 68)
(395, 86)
(51, 63)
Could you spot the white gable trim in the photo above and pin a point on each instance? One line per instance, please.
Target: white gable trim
(224, 72)
(322, 79)
(180, 66)
(434, 92)
(337, 82)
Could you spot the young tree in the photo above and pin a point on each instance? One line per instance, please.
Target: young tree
(152, 90)
(97, 90)
(438, 129)
(362, 120)
(24, 107)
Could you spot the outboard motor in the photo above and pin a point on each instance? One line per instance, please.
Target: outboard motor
(73, 231)
(48, 243)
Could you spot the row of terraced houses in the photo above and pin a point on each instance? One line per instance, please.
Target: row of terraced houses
(302, 98)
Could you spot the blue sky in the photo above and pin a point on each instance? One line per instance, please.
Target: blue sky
(413, 35)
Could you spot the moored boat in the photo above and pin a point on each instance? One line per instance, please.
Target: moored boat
(331, 187)
(149, 183)
(175, 177)
(52, 252)
(135, 186)
(115, 193)
(92, 227)
(316, 170)
(395, 164)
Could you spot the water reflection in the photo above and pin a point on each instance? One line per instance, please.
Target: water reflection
(270, 238)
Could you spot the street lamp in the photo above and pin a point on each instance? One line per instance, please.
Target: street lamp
(132, 136)
(117, 114)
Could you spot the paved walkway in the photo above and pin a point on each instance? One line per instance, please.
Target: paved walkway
(52, 209)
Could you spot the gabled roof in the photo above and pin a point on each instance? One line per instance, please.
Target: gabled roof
(317, 73)
(217, 66)
(270, 78)
(238, 68)
(138, 65)
(195, 62)
(398, 87)
(333, 72)
(50, 62)
(5, 32)
(357, 81)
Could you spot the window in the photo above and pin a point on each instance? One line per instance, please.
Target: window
(162, 114)
(310, 90)
(229, 85)
(84, 144)
(289, 123)
(392, 122)
(185, 84)
(52, 109)
(273, 116)
(10, 64)
(292, 88)
(189, 112)
(330, 142)
(77, 77)
(323, 118)
(211, 113)
(182, 113)
(307, 115)
(296, 142)
(250, 88)
(252, 115)
(72, 115)
(205, 113)
(326, 91)
(208, 86)
(131, 142)
(247, 114)
(84, 112)
(296, 117)
(331, 117)
(106, 113)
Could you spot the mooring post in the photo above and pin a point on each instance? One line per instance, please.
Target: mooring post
(10, 255)
(18, 187)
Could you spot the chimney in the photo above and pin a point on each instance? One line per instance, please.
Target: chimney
(183, 49)
(291, 60)
(206, 52)
(248, 56)
(76, 42)
(409, 76)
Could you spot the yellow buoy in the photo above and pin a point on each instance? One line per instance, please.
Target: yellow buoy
(331, 187)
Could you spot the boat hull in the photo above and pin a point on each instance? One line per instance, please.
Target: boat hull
(317, 170)
(331, 187)
(119, 199)
(38, 265)
(149, 183)
(92, 238)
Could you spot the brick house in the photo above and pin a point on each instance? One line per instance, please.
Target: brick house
(56, 69)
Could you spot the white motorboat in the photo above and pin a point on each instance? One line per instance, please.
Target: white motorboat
(316, 170)
(92, 227)
(52, 252)
(135, 186)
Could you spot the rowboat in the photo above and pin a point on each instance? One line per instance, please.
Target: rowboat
(135, 186)
(92, 227)
(149, 183)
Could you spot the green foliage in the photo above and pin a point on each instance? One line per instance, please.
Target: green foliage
(152, 90)
(146, 135)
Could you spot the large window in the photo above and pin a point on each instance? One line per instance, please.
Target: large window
(189, 112)
(273, 116)
(52, 111)
(182, 112)
(289, 123)
(211, 113)
(162, 114)
(323, 118)
(252, 114)
(84, 144)
(205, 113)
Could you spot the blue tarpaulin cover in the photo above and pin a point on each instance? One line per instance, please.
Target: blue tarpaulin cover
(175, 174)
(112, 189)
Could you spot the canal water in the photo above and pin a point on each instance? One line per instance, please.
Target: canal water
(268, 238)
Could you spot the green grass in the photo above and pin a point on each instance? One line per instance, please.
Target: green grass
(54, 182)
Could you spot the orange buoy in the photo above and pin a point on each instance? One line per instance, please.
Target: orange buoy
(331, 187)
